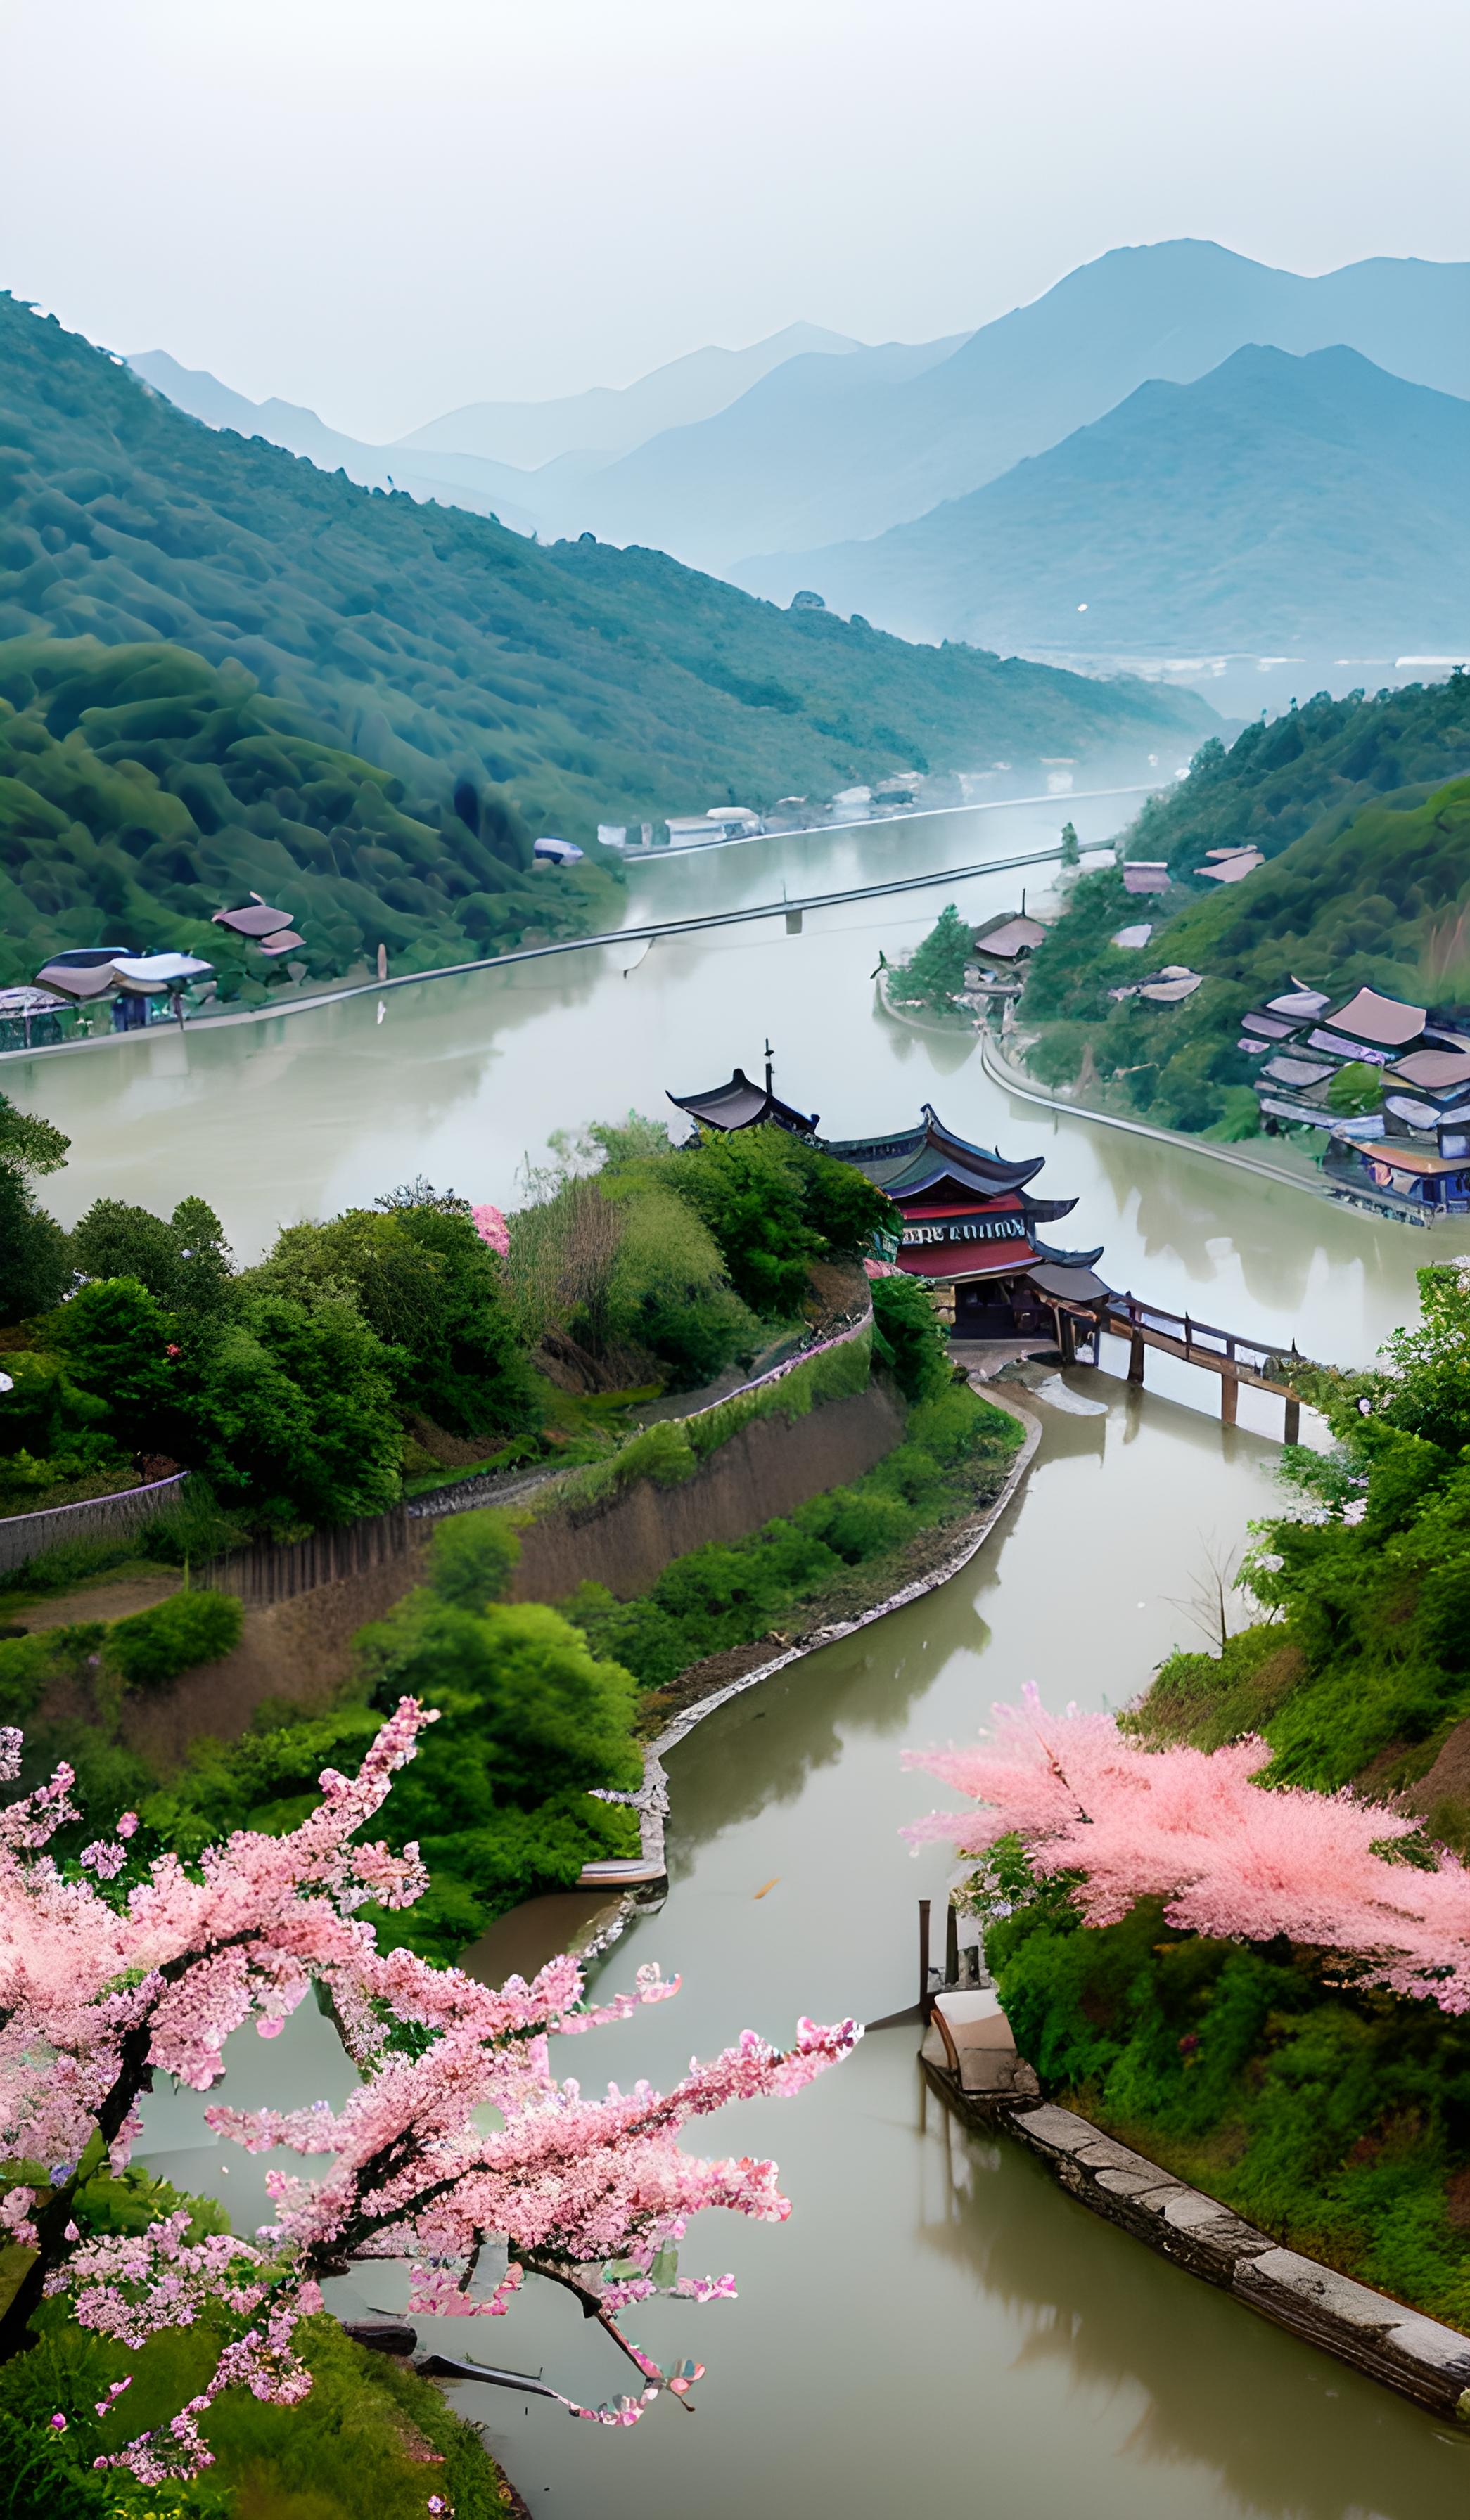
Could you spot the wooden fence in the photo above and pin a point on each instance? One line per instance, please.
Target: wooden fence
(23, 1536)
(270, 1573)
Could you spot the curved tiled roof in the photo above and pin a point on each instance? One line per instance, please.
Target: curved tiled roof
(742, 1105)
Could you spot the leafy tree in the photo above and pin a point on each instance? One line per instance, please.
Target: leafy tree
(183, 1262)
(120, 1345)
(934, 975)
(842, 1206)
(538, 1714)
(471, 1558)
(432, 1292)
(290, 1410)
(1072, 851)
(913, 1341)
(747, 1187)
(670, 1293)
(34, 1264)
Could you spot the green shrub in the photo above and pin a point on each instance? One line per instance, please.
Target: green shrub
(27, 1663)
(867, 1526)
(914, 1345)
(662, 1452)
(1335, 2118)
(193, 1528)
(472, 1558)
(153, 1647)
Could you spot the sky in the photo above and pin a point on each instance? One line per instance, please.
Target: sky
(386, 208)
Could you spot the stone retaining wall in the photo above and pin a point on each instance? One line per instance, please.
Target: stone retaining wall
(1407, 2352)
(769, 1467)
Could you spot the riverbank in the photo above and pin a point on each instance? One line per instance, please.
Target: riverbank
(1397, 2347)
(1015, 1081)
(931, 1560)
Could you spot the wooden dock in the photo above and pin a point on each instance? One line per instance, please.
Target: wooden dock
(1235, 1358)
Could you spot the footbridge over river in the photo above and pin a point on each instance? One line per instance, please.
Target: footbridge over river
(1229, 1353)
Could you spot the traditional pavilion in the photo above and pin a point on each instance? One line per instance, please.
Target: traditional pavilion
(969, 1222)
(970, 1225)
(741, 1104)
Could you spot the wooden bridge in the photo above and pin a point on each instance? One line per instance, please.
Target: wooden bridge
(1233, 1357)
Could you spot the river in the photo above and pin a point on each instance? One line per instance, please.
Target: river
(936, 2319)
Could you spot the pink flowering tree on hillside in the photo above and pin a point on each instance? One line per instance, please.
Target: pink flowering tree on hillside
(113, 1971)
(1227, 1857)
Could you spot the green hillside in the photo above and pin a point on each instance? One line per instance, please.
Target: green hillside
(587, 684)
(141, 788)
(1364, 886)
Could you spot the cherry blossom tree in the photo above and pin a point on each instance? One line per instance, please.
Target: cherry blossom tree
(113, 1971)
(490, 1226)
(1227, 1856)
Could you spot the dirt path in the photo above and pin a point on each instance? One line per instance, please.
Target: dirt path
(111, 1597)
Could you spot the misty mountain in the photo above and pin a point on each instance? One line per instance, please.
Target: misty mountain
(459, 481)
(611, 419)
(823, 450)
(1276, 501)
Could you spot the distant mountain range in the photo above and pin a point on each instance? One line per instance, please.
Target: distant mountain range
(1276, 501)
(466, 480)
(569, 444)
(612, 420)
(816, 453)
(809, 438)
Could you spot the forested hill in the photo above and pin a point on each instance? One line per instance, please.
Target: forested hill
(1315, 764)
(1362, 808)
(588, 682)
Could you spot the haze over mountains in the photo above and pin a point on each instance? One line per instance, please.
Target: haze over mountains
(1277, 502)
(611, 419)
(801, 460)
(903, 480)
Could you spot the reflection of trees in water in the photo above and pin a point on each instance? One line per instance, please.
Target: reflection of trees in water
(1225, 2390)
(759, 1752)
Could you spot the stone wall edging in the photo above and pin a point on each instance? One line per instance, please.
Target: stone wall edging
(1015, 1081)
(1401, 2348)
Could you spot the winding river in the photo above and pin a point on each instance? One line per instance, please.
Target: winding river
(937, 2323)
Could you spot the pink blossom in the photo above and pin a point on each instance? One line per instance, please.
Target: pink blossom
(454, 2143)
(1227, 1856)
(490, 1226)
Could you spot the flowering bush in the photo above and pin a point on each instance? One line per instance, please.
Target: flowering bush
(490, 1226)
(114, 1969)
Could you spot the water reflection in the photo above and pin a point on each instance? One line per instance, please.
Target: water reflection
(1285, 2430)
